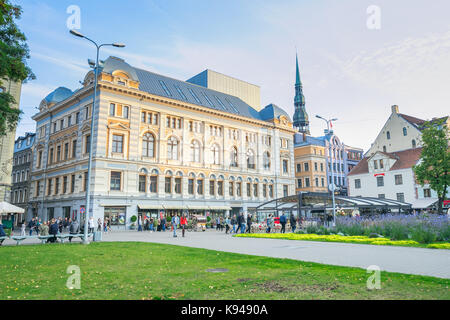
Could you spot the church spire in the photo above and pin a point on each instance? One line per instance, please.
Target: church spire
(301, 120)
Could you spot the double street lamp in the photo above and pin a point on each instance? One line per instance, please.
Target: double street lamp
(332, 185)
(88, 185)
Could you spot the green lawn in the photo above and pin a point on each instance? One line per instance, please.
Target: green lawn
(129, 270)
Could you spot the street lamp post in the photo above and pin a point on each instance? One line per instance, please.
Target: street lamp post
(88, 186)
(328, 134)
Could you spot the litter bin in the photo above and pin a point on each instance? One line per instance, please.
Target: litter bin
(97, 236)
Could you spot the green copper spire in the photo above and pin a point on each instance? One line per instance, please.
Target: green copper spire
(301, 120)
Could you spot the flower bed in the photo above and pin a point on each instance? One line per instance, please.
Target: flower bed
(344, 239)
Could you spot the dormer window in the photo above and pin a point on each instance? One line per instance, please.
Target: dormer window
(375, 164)
(388, 135)
(381, 164)
(405, 132)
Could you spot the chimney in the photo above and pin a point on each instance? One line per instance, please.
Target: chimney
(394, 109)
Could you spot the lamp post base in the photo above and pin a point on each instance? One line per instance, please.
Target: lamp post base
(86, 242)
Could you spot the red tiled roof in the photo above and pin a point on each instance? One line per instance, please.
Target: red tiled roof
(405, 159)
(413, 120)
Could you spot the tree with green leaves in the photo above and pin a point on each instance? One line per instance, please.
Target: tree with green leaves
(434, 165)
(13, 66)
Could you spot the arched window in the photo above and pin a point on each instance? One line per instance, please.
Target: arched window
(172, 148)
(388, 135)
(250, 159)
(234, 157)
(215, 154)
(414, 143)
(405, 132)
(148, 145)
(195, 151)
(266, 160)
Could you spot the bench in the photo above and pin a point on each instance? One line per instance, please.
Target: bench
(19, 239)
(44, 238)
(63, 237)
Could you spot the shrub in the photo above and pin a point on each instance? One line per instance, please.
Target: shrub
(424, 234)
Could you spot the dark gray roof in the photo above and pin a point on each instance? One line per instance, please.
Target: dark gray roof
(188, 92)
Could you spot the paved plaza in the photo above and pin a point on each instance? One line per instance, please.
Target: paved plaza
(419, 261)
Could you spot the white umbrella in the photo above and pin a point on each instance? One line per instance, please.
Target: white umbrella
(6, 207)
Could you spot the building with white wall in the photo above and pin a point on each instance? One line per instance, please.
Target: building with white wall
(159, 144)
(387, 168)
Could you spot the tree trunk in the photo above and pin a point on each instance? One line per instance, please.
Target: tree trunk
(440, 202)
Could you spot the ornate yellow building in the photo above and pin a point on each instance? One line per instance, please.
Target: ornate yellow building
(160, 144)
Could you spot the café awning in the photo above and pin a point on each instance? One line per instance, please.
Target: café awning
(6, 207)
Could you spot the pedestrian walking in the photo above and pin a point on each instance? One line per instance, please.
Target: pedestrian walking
(175, 221)
(43, 229)
(283, 221)
(2, 231)
(227, 224)
(249, 223)
(183, 223)
(31, 226)
(22, 230)
(91, 225)
(53, 230)
(270, 223)
(99, 224)
(241, 222)
(234, 223)
(293, 223)
(140, 223)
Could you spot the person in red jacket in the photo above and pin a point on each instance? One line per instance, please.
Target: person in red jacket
(183, 223)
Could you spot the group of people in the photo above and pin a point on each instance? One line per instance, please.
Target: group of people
(151, 224)
(270, 222)
(236, 224)
(51, 227)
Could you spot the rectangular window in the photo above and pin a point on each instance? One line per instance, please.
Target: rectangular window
(66, 151)
(401, 197)
(85, 181)
(398, 179)
(285, 166)
(381, 196)
(112, 109)
(65, 184)
(117, 143)
(255, 190)
(249, 193)
(125, 112)
(49, 188)
(285, 190)
(265, 190)
(61, 124)
(39, 159)
(299, 167)
(142, 183)
(307, 183)
(50, 159)
(178, 185)
(143, 117)
(69, 121)
(375, 164)
(77, 118)
(381, 164)
(271, 191)
(191, 186)
(116, 178)
(38, 188)
(323, 182)
(220, 188)
(168, 185)
(153, 184)
(321, 167)
(200, 187)
(231, 188)
(426, 193)
(357, 183)
(74, 149)
(238, 189)
(87, 144)
(72, 184)
(299, 183)
(212, 187)
(58, 153)
(316, 166)
(380, 181)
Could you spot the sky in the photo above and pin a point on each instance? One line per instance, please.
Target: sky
(355, 61)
